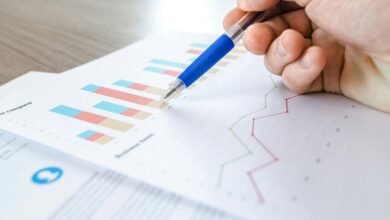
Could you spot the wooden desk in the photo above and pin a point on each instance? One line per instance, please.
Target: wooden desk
(54, 36)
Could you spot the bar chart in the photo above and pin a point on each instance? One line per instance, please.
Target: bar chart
(140, 87)
(96, 137)
(110, 111)
(163, 71)
(116, 94)
(92, 118)
(122, 110)
(173, 68)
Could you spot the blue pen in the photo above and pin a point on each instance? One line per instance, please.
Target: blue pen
(222, 46)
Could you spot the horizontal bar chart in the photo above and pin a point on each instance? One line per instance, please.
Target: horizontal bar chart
(139, 87)
(95, 137)
(124, 96)
(169, 63)
(92, 118)
(162, 71)
(195, 50)
(122, 110)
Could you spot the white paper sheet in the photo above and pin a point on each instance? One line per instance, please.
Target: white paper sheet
(80, 191)
(238, 140)
(72, 194)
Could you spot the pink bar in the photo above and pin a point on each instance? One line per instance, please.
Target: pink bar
(95, 137)
(123, 96)
(172, 73)
(193, 51)
(130, 112)
(138, 86)
(89, 117)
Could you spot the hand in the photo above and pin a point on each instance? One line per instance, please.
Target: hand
(334, 46)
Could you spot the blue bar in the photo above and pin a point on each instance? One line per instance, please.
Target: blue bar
(67, 111)
(199, 45)
(86, 134)
(110, 107)
(123, 83)
(91, 88)
(154, 69)
(169, 63)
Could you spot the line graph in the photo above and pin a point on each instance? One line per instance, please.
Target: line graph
(244, 146)
(274, 158)
(246, 149)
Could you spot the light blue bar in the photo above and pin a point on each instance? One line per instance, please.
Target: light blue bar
(169, 63)
(91, 88)
(154, 69)
(110, 107)
(199, 45)
(123, 83)
(67, 111)
(86, 134)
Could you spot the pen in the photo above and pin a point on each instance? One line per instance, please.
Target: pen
(222, 46)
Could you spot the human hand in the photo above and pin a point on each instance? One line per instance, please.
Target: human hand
(334, 46)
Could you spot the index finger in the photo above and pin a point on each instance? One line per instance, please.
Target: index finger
(256, 5)
(232, 17)
(236, 14)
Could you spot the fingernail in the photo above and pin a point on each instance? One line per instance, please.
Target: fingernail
(281, 50)
(305, 62)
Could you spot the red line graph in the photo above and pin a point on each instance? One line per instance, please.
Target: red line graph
(273, 157)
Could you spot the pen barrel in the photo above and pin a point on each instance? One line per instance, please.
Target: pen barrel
(207, 59)
(235, 33)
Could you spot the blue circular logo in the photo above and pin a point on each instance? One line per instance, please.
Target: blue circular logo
(47, 175)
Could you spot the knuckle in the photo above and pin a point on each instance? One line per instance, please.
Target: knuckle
(271, 66)
(294, 83)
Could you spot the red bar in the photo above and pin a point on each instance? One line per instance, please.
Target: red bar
(130, 112)
(95, 137)
(172, 73)
(123, 96)
(138, 86)
(193, 51)
(89, 117)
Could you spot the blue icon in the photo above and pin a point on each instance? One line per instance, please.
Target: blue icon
(47, 175)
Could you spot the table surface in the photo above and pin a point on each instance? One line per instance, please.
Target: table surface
(54, 36)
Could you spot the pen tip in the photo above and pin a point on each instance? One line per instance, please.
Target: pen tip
(175, 88)
(168, 95)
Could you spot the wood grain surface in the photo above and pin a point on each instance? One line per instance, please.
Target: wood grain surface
(56, 35)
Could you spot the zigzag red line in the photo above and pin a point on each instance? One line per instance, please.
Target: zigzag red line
(273, 159)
